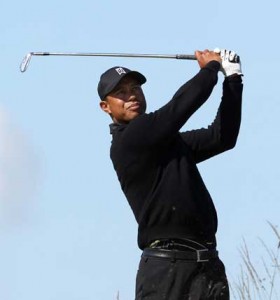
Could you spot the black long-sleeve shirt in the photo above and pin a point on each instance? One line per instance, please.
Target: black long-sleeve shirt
(156, 163)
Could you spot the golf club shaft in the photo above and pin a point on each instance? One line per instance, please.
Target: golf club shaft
(27, 58)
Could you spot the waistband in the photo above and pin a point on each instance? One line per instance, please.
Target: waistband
(202, 255)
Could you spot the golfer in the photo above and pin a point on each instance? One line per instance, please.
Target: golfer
(156, 165)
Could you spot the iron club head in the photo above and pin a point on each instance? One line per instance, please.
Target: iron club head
(25, 63)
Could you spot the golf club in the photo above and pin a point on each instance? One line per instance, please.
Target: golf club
(25, 63)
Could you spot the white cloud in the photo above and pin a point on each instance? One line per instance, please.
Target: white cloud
(19, 172)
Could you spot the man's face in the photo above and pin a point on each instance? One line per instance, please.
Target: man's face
(125, 102)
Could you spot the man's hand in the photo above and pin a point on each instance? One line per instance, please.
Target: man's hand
(231, 63)
(204, 57)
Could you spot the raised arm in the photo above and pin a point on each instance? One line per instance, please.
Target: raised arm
(222, 134)
(166, 122)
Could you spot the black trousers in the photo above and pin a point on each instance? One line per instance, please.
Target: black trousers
(168, 279)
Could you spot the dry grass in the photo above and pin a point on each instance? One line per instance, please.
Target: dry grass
(256, 284)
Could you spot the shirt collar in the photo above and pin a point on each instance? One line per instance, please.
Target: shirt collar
(116, 127)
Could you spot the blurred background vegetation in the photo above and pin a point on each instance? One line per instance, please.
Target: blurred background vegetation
(259, 278)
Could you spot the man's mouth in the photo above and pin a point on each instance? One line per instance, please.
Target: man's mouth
(134, 106)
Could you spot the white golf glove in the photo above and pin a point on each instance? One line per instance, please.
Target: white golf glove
(231, 63)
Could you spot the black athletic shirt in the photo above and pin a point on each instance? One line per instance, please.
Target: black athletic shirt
(156, 163)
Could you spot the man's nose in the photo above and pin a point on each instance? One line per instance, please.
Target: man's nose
(131, 96)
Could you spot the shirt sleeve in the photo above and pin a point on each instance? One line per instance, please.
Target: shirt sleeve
(151, 129)
(222, 134)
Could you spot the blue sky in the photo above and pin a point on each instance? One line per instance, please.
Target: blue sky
(66, 230)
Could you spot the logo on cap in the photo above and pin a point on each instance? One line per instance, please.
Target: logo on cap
(120, 71)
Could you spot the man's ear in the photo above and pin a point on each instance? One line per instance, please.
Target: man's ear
(104, 105)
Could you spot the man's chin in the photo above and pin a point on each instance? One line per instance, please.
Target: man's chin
(134, 114)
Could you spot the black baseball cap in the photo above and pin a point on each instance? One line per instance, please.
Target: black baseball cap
(110, 79)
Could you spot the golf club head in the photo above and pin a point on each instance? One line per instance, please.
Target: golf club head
(25, 63)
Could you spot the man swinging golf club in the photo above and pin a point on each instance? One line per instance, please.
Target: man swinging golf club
(156, 166)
